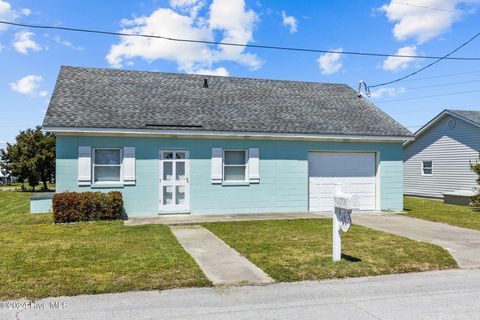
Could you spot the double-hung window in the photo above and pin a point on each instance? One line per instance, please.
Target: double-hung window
(107, 165)
(235, 166)
(427, 167)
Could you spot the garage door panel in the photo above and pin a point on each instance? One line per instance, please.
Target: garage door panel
(354, 172)
(362, 187)
(321, 202)
(341, 164)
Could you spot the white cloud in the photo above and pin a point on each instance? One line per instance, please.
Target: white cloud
(23, 42)
(6, 13)
(422, 24)
(192, 7)
(389, 91)
(26, 85)
(396, 63)
(330, 63)
(290, 22)
(237, 24)
(26, 12)
(221, 71)
(66, 43)
(230, 18)
(43, 93)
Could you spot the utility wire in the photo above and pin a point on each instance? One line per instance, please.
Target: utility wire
(429, 65)
(443, 76)
(232, 44)
(446, 84)
(426, 97)
(425, 7)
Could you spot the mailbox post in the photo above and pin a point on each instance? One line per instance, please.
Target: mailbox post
(342, 220)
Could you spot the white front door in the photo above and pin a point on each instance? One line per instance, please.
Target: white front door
(354, 171)
(174, 180)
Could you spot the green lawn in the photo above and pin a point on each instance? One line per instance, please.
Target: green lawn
(435, 210)
(39, 259)
(292, 250)
(18, 186)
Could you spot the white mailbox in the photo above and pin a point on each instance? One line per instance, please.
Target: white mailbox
(344, 204)
(346, 201)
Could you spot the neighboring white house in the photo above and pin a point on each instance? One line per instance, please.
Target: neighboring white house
(438, 160)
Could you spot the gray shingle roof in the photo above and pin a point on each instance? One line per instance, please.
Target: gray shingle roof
(106, 98)
(471, 115)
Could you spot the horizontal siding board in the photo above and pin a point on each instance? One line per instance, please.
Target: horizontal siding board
(451, 151)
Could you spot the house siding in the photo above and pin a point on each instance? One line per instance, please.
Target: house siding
(451, 151)
(283, 183)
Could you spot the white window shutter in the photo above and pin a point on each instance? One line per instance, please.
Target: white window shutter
(217, 163)
(84, 165)
(253, 165)
(129, 165)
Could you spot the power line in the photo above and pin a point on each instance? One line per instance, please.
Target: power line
(429, 65)
(443, 84)
(443, 76)
(372, 54)
(425, 7)
(426, 97)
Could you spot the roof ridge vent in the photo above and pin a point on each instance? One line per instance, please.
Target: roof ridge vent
(205, 83)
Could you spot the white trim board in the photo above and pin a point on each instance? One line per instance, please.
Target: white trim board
(223, 134)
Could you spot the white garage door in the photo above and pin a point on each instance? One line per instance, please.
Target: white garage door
(354, 171)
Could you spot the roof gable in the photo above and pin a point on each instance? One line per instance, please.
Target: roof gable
(106, 98)
(470, 116)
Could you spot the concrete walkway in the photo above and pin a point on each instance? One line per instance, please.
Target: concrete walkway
(463, 244)
(193, 219)
(220, 263)
(451, 294)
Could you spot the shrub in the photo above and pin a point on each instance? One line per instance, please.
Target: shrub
(86, 206)
(475, 201)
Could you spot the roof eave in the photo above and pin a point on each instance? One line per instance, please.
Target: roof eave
(223, 134)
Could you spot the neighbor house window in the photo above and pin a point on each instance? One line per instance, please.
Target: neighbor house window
(107, 165)
(427, 167)
(235, 165)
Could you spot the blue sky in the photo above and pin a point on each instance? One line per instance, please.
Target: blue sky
(30, 59)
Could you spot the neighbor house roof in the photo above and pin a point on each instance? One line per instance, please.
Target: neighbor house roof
(137, 100)
(469, 116)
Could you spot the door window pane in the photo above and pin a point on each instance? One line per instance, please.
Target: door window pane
(167, 195)
(168, 155)
(107, 173)
(234, 157)
(180, 171)
(180, 195)
(180, 155)
(236, 173)
(107, 156)
(167, 171)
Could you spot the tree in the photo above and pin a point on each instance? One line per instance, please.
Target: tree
(31, 158)
(475, 202)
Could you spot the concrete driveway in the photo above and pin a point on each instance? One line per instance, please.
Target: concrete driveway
(463, 244)
(451, 294)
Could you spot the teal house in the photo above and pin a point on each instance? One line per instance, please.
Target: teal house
(193, 144)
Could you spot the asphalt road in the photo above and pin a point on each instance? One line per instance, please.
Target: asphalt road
(453, 294)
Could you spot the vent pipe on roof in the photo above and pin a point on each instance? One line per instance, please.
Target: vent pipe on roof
(205, 83)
